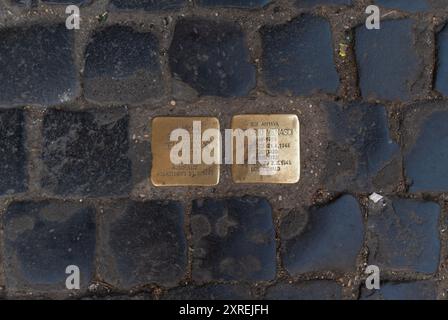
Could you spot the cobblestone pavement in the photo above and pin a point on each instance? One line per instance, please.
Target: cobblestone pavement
(75, 111)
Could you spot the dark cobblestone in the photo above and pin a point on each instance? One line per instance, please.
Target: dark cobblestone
(324, 239)
(149, 5)
(298, 57)
(389, 66)
(441, 82)
(122, 66)
(312, 3)
(36, 66)
(12, 152)
(24, 3)
(403, 235)
(85, 153)
(79, 2)
(420, 290)
(212, 58)
(235, 3)
(233, 239)
(363, 155)
(305, 290)
(414, 5)
(122, 297)
(210, 292)
(426, 147)
(142, 243)
(43, 238)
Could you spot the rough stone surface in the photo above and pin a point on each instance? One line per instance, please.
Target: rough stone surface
(212, 58)
(85, 153)
(402, 235)
(42, 239)
(426, 147)
(12, 152)
(36, 65)
(323, 239)
(122, 66)
(441, 82)
(24, 3)
(389, 65)
(312, 3)
(210, 292)
(306, 290)
(143, 243)
(298, 57)
(67, 1)
(420, 290)
(413, 6)
(235, 3)
(149, 5)
(233, 239)
(363, 154)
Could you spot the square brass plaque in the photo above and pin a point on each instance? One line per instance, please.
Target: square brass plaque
(283, 154)
(164, 172)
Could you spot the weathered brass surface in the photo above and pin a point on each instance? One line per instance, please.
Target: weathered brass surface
(164, 172)
(284, 161)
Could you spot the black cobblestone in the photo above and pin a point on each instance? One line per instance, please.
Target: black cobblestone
(12, 152)
(363, 154)
(78, 2)
(143, 243)
(413, 6)
(419, 290)
(235, 3)
(388, 64)
(306, 290)
(86, 152)
(212, 58)
(426, 148)
(122, 66)
(149, 5)
(298, 57)
(210, 292)
(324, 239)
(24, 3)
(441, 82)
(312, 3)
(42, 239)
(402, 235)
(233, 239)
(37, 66)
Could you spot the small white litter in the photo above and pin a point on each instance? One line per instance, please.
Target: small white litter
(375, 197)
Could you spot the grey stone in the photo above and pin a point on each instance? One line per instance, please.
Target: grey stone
(388, 64)
(233, 239)
(86, 152)
(212, 58)
(37, 66)
(298, 57)
(403, 235)
(143, 243)
(329, 239)
(42, 239)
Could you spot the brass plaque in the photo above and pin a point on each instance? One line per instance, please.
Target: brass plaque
(192, 173)
(281, 155)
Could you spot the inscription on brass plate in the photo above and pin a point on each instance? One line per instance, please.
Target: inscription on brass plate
(283, 165)
(164, 172)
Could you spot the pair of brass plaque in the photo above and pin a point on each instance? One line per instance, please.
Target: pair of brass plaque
(280, 146)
